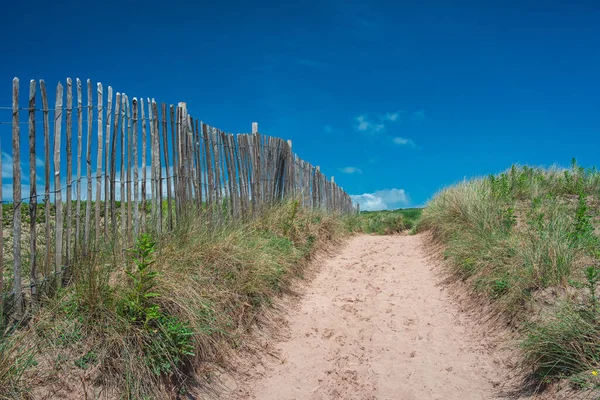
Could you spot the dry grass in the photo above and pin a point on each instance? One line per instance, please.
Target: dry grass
(212, 284)
(523, 240)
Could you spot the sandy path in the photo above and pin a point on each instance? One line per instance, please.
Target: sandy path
(374, 324)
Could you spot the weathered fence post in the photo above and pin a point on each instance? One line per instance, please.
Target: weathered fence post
(57, 189)
(16, 143)
(32, 194)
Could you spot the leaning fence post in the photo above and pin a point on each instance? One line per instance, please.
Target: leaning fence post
(17, 201)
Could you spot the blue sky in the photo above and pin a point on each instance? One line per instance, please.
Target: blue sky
(395, 99)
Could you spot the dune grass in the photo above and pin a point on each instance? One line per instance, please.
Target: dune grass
(384, 222)
(145, 328)
(527, 240)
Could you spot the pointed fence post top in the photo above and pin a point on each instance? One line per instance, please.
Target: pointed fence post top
(255, 127)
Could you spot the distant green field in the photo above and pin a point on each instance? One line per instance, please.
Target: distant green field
(386, 222)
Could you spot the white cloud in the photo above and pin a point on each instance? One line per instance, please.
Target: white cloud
(403, 141)
(365, 125)
(328, 128)
(7, 165)
(381, 200)
(393, 117)
(351, 170)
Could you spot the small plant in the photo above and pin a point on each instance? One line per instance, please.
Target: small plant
(499, 287)
(592, 275)
(582, 228)
(84, 362)
(167, 339)
(138, 306)
(509, 218)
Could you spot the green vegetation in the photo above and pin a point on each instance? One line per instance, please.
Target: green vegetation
(384, 222)
(180, 303)
(527, 240)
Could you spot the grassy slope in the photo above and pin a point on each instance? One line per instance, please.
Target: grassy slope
(527, 240)
(180, 309)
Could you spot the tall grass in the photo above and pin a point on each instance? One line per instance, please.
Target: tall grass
(524, 239)
(144, 328)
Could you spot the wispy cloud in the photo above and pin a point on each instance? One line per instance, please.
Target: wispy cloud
(386, 199)
(363, 124)
(351, 170)
(403, 141)
(7, 165)
(392, 116)
(328, 129)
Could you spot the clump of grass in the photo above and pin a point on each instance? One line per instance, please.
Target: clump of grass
(514, 237)
(384, 222)
(180, 304)
(567, 343)
(16, 356)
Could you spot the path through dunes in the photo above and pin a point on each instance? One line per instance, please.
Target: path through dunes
(375, 324)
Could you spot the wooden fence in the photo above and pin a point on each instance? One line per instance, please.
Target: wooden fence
(154, 164)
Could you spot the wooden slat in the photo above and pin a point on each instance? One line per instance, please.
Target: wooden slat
(79, 152)
(256, 171)
(153, 194)
(47, 263)
(136, 177)
(122, 175)
(175, 161)
(69, 133)
(32, 195)
(181, 142)
(291, 171)
(251, 169)
(230, 176)
(208, 157)
(217, 160)
(223, 168)
(180, 158)
(152, 164)
(113, 169)
(243, 174)
(144, 216)
(190, 158)
(1, 247)
(16, 143)
(88, 167)
(198, 167)
(157, 168)
(239, 160)
(165, 135)
(129, 229)
(57, 189)
(106, 159)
